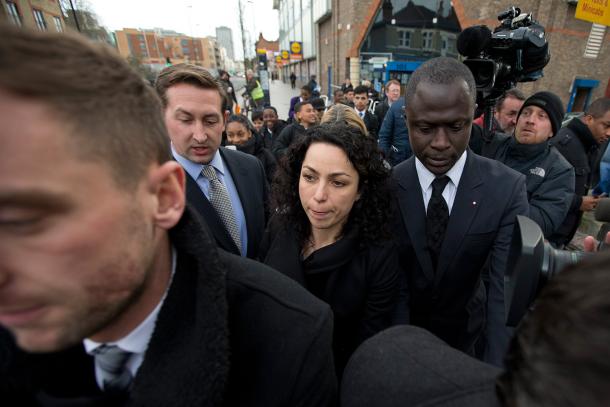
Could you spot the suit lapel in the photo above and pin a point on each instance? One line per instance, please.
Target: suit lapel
(198, 200)
(414, 214)
(465, 206)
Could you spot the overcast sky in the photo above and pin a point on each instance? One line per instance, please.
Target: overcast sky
(191, 17)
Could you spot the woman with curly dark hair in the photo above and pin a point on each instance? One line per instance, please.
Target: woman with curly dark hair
(329, 231)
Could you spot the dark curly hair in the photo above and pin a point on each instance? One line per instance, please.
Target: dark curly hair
(370, 214)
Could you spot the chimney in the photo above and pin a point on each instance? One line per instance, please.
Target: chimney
(387, 11)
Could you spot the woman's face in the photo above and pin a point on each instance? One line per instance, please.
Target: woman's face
(237, 133)
(328, 187)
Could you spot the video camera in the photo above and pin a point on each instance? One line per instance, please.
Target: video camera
(532, 262)
(516, 51)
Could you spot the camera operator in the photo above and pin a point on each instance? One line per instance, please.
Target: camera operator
(506, 109)
(549, 177)
(579, 143)
(560, 356)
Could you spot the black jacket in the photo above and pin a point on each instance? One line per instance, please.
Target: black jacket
(370, 121)
(359, 283)
(270, 136)
(450, 301)
(255, 147)
(549, 179)
(576, 143)
(380, 112)
(212, 344)
(288, 136)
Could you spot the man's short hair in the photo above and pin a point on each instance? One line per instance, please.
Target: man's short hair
(306, 88)
(360, 89)
(189, 74)
(271, 108)
(392, 82)
(441, 71)
(111, 111)
(257, 115)
(560, 355)
(511, 93)
(599, 107)
(299, 106)
(337, 91)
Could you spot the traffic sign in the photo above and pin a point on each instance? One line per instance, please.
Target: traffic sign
(595, 11)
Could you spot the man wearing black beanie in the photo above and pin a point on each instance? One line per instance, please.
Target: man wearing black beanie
(549, 177)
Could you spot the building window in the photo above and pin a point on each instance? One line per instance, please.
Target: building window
(58, 27)
(427, 39)
(40, 22)
(13, 13)
(404, 38)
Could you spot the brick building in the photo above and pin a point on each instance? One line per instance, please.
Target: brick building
(156, 48)
(41, 14)
(349, 33)
(271, 49)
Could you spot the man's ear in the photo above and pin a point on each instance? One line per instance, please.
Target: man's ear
(587, 119)
(167, 183)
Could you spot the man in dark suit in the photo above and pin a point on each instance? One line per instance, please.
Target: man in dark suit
(192, 102)
(361, 104)
(457, 211)
(111, 291)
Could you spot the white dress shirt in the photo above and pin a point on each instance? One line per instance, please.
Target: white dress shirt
(137, 340)
(426, 178)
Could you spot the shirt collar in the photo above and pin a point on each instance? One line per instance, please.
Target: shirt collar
(137, 340)
(194, 169)
(426, 177)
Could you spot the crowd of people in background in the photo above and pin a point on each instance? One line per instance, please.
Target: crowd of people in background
(159, 248)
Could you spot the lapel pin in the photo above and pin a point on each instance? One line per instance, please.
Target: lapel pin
(474, 203)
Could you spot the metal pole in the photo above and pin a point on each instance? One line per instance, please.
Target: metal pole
(243, 36)
(75, 17)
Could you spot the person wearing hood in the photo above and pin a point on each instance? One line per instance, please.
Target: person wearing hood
(242, 135)
(549, 176)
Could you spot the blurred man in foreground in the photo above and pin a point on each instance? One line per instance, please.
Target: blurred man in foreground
(111, 292)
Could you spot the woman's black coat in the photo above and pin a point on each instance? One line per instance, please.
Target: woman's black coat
(358, 282)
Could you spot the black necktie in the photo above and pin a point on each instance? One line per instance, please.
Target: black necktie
(437, 218)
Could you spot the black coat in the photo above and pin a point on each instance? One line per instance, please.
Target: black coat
(250, 180)
(450, 301)
(212, 344)
(576, 143)
(370, 121)
(359, 283)
(288, 136)
(255, 146)
(380, 112)
(269, 135)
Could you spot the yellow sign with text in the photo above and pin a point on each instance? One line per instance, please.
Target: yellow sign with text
(595, 11)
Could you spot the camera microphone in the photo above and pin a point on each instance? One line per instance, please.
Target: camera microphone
(473, 40)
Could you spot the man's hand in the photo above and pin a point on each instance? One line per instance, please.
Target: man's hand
(589, 203)
(590, 243)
